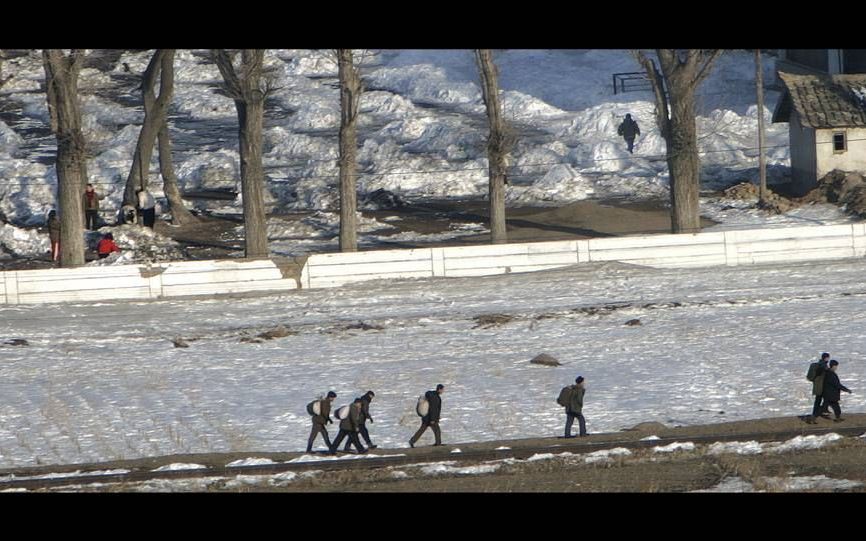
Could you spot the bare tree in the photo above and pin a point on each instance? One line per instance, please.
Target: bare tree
(156, 125)
(350, 97)
(248, 88)
(499, 144)
(681, 73)
(61, 82)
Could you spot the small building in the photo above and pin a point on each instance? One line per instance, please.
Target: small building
(826, 115)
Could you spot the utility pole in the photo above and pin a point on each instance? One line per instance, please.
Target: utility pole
(762, 169)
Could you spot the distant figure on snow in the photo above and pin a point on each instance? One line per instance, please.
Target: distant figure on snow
(362, 421)
(106, 246)
(146, 207)
(832, 388)
(320, 410)
(571, 398)
(628, 129)
(431, 417)
(54, 234)
(91, 207)
(350, 426)
(815, 374)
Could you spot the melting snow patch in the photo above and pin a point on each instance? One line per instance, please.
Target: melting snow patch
(456, 451)
(442, 469)
(650, 438)
(736, 447)
(606, 455)
(502, 449)
(675, 446)
(547, 456)
(817, 482)
(731, 484)
(400, 475)
(251, 462)
(802, 443)
(180, 466)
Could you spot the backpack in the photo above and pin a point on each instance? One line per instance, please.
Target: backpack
(813, 372)
(342, 412)
(564, 398)
(314, 408)
(422, 408)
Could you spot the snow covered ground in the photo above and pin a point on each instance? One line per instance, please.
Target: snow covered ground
(422, 132)
(103, 381)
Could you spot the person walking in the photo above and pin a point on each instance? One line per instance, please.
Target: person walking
(832, 388)
(106, 246)
(147, 207)
(431, 419)
(320, 419)
(816, 374)
(54, 234)
(575, 408)
(628, 129)
(350, 427)
(91, 207)
(362, 422)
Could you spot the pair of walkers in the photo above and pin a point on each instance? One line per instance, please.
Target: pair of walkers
(827, 389)
(353, 423)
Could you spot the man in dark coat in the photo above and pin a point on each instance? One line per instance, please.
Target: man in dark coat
(432, 418)
(832, 388)
(350, 427)
(628, 129)
(575, 408)
(818, 389)
(320, 420)
(365, 415)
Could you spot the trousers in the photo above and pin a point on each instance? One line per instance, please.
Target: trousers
(569, 420)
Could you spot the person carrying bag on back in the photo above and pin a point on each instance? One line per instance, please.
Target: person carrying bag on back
(571, 398)
(320, 410)
(431, 417)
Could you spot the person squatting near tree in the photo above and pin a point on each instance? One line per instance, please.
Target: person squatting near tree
(628, 129)
(349, 426)
(146, 207)
(571, 398)
(54, 234)
(91, 200)
(106, 246)
(362, 422)
(815, 374)
(832, 388)
(431, 418)
(320, 411)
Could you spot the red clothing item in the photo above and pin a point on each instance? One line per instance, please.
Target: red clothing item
(106, 246)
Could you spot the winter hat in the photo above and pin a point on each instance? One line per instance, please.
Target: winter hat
(332, 394)
(834, 362)
(579, 379)
(825, 356)
(440, 386)
(371, 394)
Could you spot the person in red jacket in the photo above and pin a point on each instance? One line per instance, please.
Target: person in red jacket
(106, 246)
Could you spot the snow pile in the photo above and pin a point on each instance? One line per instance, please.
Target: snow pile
(20, 242)
(251, 462)
(674, 447)
(180, 466)
(137, 244)
(446, 468)
(820, 483)
(804, 443)
(736, 447)
(606, 456)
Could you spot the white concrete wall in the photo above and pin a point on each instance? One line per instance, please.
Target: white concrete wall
(852, 160)
(204, 278)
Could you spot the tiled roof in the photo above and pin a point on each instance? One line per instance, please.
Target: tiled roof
(824, 101)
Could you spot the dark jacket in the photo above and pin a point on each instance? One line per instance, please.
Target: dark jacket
(91, 202)
(352, 422)
(575, 405)
(628, 128)
(818, 382)
(832, 387)
(435, 410)
(325, 409)
(54, 229)
(365, 409)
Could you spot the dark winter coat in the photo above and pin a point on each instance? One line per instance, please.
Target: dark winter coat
(352, 422)
(575, 405)
(818, 382)
(628, 128)
(365, 409)
(54, 229)
(832, 387)
(435, 402)
(91, 202)
(325, 409)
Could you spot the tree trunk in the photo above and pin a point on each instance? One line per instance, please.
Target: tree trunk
(497, 145)
(139, 173)
(249, 97)
(61, 77)
(350, 96)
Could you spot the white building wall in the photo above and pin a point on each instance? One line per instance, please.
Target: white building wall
(852, 160)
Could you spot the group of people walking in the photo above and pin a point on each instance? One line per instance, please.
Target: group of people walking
(826, 387)
(145, 208)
